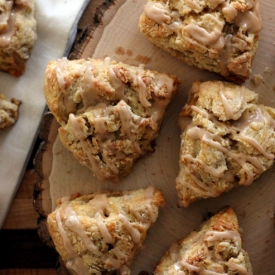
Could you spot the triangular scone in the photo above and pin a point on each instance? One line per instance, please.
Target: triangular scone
(227, 140)
(18, 35)
(103, 232)
(110, 112)
(219, 36)
(216, 248)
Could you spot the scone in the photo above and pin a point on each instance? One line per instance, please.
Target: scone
(17, 35)
(215, 248)
(227, 140)
(219, 36)
(110, 113)
(9, 111)
(102, 232)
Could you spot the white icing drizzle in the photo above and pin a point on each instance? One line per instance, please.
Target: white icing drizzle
(157, 12)
(119, 254)
(213, 236)
(204, 240)
(75, 124)
(248, 20)
(214, 39)
(194, 5)
(104, 138)
(229, 11)
(9, 31)
(126, 116)
(253, 142)
(157, 109)
(229, 112)
(195, 132)
(162, 81)
(100, 113)
(74, 225)
(238, 267)
(205, 114)
(74, 262)
(209, 169)
(118, 85)
(73, 121)
(137, 214)
(87, 92)
(103, 228)
(255, 117)
(142, 90)
(90, 99)
(199, 269)
(135, 234)
(149, 195)
(60, 68)
(66, 241)
(100, 204)
(245, 119)
(197, 185)
(239, 43)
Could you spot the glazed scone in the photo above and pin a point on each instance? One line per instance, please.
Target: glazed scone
(110, 113)
(9, 111)
(219, 36)
(102, 232)
(17, 35)
(227, 140)
(215, 248)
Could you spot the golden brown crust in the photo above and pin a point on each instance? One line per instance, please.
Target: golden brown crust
(78, 223)
(17, 35)
(217, 36)
(215, 247)
(109, 112)
(9, 111)
(227, 140)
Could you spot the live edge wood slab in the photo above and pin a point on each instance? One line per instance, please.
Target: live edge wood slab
(112, 31)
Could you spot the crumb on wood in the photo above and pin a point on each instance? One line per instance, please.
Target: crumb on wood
(267, 70)
(257, 79)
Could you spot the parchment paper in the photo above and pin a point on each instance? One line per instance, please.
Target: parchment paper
(254, 205)
(56, 29)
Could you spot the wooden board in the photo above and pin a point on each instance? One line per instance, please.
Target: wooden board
(116, 34)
